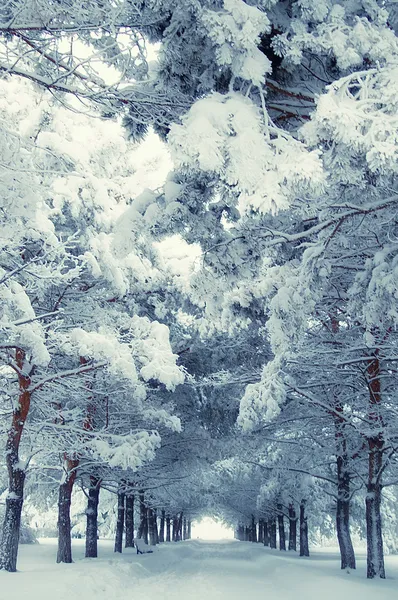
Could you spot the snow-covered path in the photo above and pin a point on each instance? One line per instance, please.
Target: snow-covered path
(196, 570)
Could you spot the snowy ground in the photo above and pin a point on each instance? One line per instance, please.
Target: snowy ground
(197, 570)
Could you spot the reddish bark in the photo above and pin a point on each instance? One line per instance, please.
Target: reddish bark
(16, 475)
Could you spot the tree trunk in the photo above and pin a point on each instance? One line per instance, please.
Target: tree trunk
(180, 527)
(175, 529)
(145, 532)
(247, 534)
(92, 518)
(292, 528)
(254, 530)
(343, 476)
(151, 527)
(168, 536)
(12, 522)
(16, 475)
(155, 516)
(272, 533)
(161, 528)
(129, 542)
(266, 533)
(281, 529)
(261, 531)
(142, 516)
(143, 528)
(304, 548)
(189, 529)
(375, 552)
(184, 530)
(347, 554)
(119, 523)
(64, 553)
(343, 515)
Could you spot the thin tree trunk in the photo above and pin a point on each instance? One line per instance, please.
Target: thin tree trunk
(281, 528)
(92, 518)
(161, 528)
(261, 531)
(176, 529)
(16, 475)
(375, 552)
(129, 542)
(184, 530)
(189, 529)
(304, 548)
(119, 522)
(254, 530)
(168, 536)
(64, 553)
(155, 516)
(180, 527)
(266, 533)
(151, 527)
(143, 528)
(146, 527)
(142, 515)
(292, 528)
(272, 533)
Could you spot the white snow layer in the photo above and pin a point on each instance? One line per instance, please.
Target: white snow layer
(192, 570)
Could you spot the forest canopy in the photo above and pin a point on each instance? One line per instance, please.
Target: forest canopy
(199, 268)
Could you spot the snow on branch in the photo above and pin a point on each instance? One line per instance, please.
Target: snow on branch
(228, 135)
(262, 401)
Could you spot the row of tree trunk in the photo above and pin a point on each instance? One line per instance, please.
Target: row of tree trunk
(180, 529)
(265, 532)
(152, 528)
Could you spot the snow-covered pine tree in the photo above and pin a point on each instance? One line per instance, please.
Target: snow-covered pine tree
(68, 311)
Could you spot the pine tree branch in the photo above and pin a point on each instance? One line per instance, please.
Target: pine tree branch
(63, 374)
